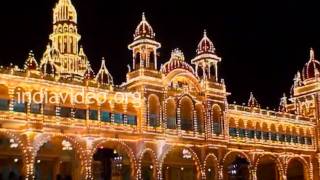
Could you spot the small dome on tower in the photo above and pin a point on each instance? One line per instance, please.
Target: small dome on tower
(205, 45)
(31, 63)
(312, 68)
(103, 76)
(144, 29)
(177, 61)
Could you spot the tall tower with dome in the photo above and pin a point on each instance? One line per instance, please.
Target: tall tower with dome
(63, 57)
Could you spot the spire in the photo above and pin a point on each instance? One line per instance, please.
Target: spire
(143, 17)
(311, 54)
(205, 33)
(103, 76)
(252, 102)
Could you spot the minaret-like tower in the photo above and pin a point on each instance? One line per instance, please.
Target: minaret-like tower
(206, 61)
(63, 53)
(144, 70)
(144, 47)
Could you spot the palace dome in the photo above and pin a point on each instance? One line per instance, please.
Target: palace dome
(144, 29)
(205, 45)
(177, 61)
(312, 68)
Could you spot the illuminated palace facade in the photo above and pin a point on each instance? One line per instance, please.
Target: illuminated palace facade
(169, 121)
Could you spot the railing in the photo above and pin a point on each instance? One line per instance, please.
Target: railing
(269, 113)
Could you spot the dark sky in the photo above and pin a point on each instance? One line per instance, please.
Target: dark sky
(262, 44)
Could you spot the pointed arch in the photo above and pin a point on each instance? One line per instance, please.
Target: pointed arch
(171, 114)
(154, 164)
(186, 108)
(153, 111)
(216, 119)
(297, 168)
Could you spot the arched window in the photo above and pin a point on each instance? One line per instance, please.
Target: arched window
(186, 114)
(154, 111)
(216, 119)
(137, 59)
(200, 118)
(151, 60)
(171, 114)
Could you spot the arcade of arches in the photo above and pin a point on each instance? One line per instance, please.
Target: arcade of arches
(173, 123)
(59, 157)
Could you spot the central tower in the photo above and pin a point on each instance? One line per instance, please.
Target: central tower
(63, 55)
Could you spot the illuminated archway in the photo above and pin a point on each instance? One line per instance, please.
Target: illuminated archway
(180, 163)
(12, 159)
(268, 166)
(236, 166)
(113, 159)
(297, 169)
(58, 156)
(211, 166)
(148, 165)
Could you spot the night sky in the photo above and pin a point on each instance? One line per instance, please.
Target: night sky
(262, 44)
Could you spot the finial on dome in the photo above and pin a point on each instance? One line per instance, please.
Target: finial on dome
(311, 54)
(204, 33)
(143, 16)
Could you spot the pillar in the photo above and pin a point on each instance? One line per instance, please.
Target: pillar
(220, 172)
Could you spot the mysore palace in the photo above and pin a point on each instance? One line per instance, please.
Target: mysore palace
(168, 121)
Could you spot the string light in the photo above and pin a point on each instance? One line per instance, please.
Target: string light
(64, 60)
